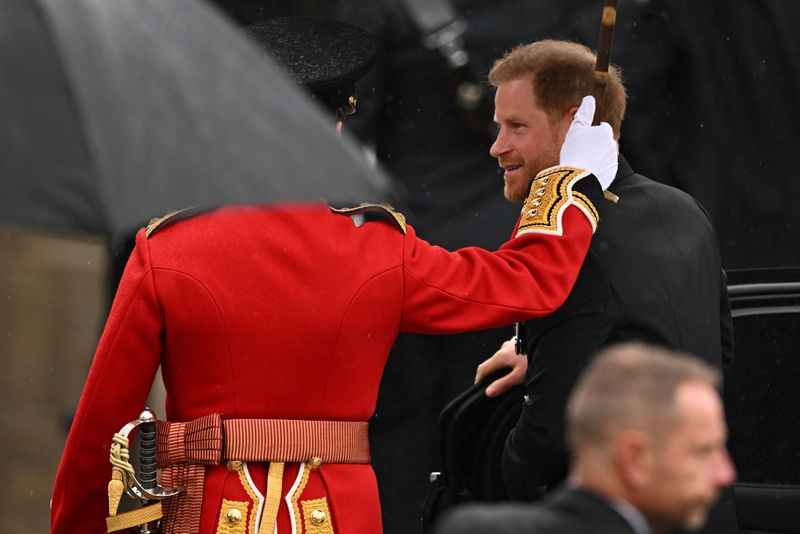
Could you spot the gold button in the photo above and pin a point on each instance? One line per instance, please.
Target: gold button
(315, 462)
(318, 517)
(233, 516)
(234, 465)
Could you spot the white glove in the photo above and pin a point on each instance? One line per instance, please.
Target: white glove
(591, 148)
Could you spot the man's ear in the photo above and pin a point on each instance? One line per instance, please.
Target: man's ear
(562, 126)
(634, 457)
(572, 111)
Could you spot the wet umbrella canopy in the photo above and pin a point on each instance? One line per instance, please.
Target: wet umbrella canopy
(116, 111)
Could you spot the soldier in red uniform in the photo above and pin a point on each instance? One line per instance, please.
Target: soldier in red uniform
(272, 326)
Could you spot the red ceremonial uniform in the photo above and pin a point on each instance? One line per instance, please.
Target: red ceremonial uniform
(288, 313)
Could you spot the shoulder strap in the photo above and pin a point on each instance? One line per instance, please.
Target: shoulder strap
(159, 223)
(375, 212)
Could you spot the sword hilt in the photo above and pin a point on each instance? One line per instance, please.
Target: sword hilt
(148, 469)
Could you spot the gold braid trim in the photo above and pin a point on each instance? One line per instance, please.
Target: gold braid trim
(121, 472)
(172, 217)
(156, 222)
(273, 498)
(588, 209)
(394, 216)
(233, 517)
(317, 517)
(295, 498)
(550, 194)
(239, 468)
(134, 518)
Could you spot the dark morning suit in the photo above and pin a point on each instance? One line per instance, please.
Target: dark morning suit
(653, 273)
(566, 511)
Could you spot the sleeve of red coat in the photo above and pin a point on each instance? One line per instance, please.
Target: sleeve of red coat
(116, 389)
(529, 276)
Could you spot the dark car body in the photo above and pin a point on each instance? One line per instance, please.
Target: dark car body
(762, 399)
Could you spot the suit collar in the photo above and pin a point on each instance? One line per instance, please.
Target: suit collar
(632, 515)
(624, 170)
(600, 509)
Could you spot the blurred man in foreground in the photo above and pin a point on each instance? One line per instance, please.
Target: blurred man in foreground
(647, 432)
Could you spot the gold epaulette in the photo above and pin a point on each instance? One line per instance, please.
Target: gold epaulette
(550, 194)
(159, 223)
(380, 211)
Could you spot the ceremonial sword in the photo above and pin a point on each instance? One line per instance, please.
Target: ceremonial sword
(124, 480)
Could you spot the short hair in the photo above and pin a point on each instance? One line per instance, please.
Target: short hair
(562, 73)
(631, 385)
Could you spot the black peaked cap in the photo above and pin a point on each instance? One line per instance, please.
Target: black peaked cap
(325, 55)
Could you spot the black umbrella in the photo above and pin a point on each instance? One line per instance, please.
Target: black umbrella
(116, 111)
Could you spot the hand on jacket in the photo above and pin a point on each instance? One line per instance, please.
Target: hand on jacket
(505, 357)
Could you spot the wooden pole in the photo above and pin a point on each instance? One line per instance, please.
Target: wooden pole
(607, 23)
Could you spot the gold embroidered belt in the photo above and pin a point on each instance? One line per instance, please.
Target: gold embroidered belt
(184, 449)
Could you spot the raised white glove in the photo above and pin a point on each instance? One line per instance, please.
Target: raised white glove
(591, 148)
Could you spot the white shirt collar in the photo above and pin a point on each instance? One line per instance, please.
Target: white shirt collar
(632, 515)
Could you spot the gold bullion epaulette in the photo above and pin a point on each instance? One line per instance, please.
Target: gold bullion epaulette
(372, 212)
(159, 223)
(550, 194)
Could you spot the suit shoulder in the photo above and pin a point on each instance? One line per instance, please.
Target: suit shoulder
(670, 197)
(663, 190)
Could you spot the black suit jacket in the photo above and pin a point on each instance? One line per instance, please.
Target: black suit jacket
(652, 273)
(566, 511)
